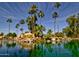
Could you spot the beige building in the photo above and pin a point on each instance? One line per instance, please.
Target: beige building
(26, 37)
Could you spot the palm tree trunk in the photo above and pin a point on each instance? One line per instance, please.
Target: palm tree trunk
(58, 27)
(9, 27)
(54, 25)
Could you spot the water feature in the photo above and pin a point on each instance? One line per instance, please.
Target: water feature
(41, 50)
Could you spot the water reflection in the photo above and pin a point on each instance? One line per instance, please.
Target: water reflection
(12, 48)
(73, 46)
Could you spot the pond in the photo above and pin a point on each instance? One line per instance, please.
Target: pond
(70, 49)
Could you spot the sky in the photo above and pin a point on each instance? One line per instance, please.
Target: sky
(19, 10)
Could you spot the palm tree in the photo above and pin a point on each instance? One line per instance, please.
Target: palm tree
(17, 26)
(2, 34)
(28, 21)
(72, 21)
(39, 30)
(9, 21)
(21, 29)
(57, 5)
(31, 20)
(55, 15)
(34, 11)
(41, 14)
(22, 21)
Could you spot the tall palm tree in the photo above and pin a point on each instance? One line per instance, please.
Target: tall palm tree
(17, 26)
(28, 21)
(54, 15)
(31, 21)
(34, 11)
(57, 5)
(9, 21)
(21, 29)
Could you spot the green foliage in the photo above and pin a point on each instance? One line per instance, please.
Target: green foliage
(39, 30)
(59, 34)
(41, 14)
(55, 15)
(21, 29)
(22, 21)
(57, 4)
(72, 30)
(9, 20)
(48, 35)
(11, 35)
(32, 20)
(17, 26)
(33, 9)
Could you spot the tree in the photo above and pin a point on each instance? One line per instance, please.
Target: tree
(49, 35)
(33, 9)
(55, 15)
(17, 26)
(11, 35)
(9, 21)
(31, 20)
(59, 34)
(72, 21)
(57, 4)
(39, 30)
(21, 29)
(41, 14)
(72, 30)
(14, 34)
(1, 34)
(22, 21)
(67, 31)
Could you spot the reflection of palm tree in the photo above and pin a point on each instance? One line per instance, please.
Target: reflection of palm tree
(49, 48)
(9, 45)
(9, 21)
(0, 44)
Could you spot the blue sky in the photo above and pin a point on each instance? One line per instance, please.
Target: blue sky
(19, 10)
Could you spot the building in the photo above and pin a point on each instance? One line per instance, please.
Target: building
(26, 37)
